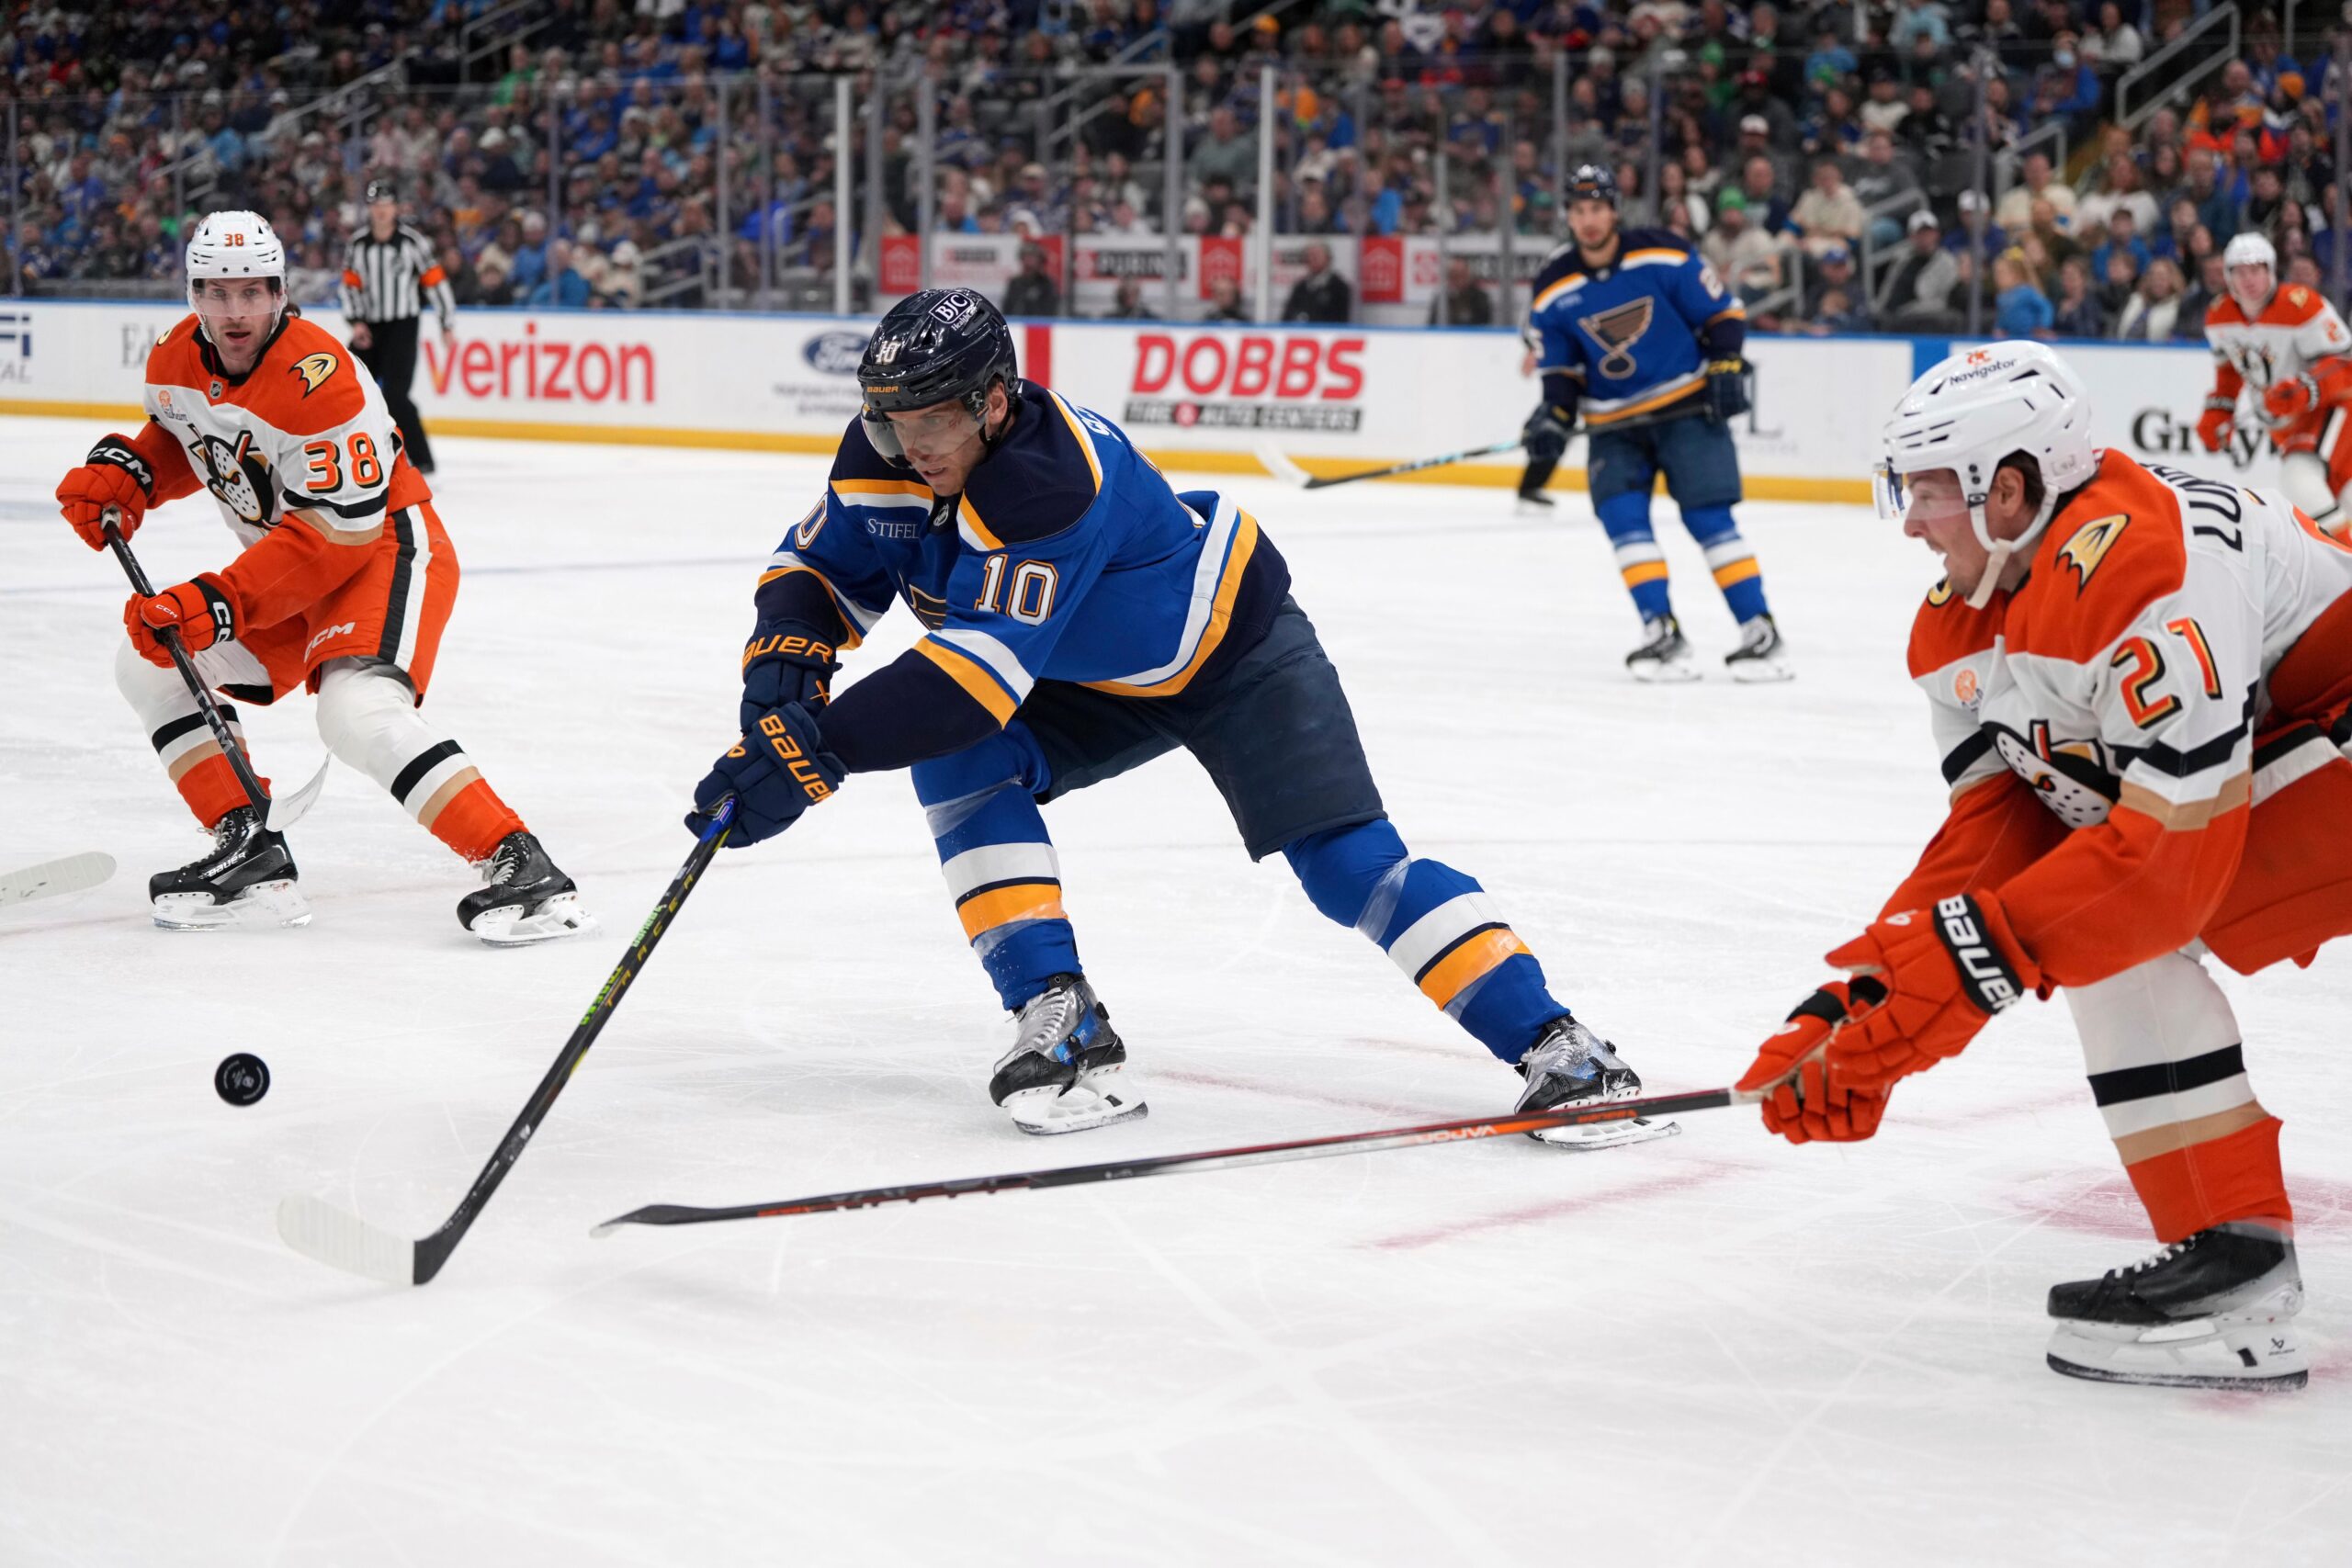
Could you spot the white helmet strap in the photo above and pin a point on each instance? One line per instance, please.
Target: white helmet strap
(1998, 552)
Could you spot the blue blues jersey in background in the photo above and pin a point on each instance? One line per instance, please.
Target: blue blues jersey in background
(1067, 558)
(1633, 337)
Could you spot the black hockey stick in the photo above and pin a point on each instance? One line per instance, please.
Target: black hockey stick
(1289, 472)
(277, 814)
(1214, 1159)
(318, 1229)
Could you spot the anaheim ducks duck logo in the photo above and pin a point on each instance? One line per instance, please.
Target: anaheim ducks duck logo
(315, 369)
(1617, 329)
(239, 478)
(2089, 544)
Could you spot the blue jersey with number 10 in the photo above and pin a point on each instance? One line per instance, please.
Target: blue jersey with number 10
(1067, 558)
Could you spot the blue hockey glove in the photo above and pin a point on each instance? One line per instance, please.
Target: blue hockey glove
(783, 664)
(1546, 433)
(1726, 389)
(775, 773)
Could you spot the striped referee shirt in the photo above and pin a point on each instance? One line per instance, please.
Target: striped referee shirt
(387, 280)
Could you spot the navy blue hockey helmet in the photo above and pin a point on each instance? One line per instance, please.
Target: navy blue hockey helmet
(1593, 182)
(939, 345)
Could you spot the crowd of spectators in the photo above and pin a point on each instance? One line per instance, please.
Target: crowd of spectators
(617, 152)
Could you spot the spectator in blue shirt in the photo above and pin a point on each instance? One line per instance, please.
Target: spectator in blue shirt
(565, 286)
(2122, 234)
(2019, 310)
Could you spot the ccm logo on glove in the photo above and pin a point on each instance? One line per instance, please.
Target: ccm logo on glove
(1991, 982)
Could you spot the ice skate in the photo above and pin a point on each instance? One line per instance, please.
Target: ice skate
(1061, 1075)
(2212, 1310)
(1665, 655)
(247, 880)
(1535, 503)
(1762, 654)
(526, 898)
(1569, 1065)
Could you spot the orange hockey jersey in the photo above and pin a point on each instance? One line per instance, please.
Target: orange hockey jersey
(2098, 725)
(301, 453)
(2296, 333)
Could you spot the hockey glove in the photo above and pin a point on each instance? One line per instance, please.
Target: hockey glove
(203, 612)
(1820, 1104)
(114, 475)
(1546, 433)
(1726, 389)
(775, 773)
(784, 665)
(1947, 971)
(2289, 400)
(2215, 428)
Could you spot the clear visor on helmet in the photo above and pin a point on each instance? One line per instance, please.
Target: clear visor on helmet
(1890, 491)
(935, 431)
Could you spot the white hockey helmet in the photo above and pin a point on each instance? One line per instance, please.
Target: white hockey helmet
(1974, 411)
(2249, 249)
(235, 244)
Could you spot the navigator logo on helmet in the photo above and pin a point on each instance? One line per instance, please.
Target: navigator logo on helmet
(939, 345)
(1975, 411)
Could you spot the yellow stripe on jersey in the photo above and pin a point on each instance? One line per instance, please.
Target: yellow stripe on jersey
(1574, 280)
(988, 541)
(1647, 571)
(1079, 434)
(850, 635)
(1220, 620)
(1652, 254)
(974, 677)
(847, 488)
(1594, 419)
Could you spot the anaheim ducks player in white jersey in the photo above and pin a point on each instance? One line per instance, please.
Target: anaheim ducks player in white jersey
(343, 585)
(2290, 348)
(2139, 683)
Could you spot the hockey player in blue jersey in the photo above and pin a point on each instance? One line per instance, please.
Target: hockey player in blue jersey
(1083, 619)
(1632, 328)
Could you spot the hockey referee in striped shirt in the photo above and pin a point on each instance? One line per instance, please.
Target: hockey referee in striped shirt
(385, 284)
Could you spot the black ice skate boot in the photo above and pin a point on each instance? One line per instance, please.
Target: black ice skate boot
(247, 880)
(526, 898)
(1570, 1065)
(1061, 1074)
(1761, 655)
(2210, 1311)
(1536, 502)
(1664, 655)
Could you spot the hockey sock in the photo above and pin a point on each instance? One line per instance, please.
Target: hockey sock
(1730, 558)
(182, 741)
(2161, 1045)
(1640, 562)
(998, 862)
(1538, 475)
(1436, 925)
(368, 718)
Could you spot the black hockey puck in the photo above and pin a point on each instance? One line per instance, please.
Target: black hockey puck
(241, 1079)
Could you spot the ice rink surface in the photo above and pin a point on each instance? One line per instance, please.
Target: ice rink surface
(1712, 1349)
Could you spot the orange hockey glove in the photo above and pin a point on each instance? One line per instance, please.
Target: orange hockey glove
(2290, 399)
(113, 474)
(1947, 971)
(2215, 428)
(203, 612)
(1820, 1104)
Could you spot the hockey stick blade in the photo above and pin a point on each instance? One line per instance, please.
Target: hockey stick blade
(53, 878)
(318, 1230)
(1281, 467)
(1473, 1128)
(285, 810)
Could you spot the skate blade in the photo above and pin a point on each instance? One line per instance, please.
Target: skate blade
(263, 904)
(2258, 1358)
(1609, 1134)
(1080, 1109)
(508, 926)
(1651, 673)
(1758, 672)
